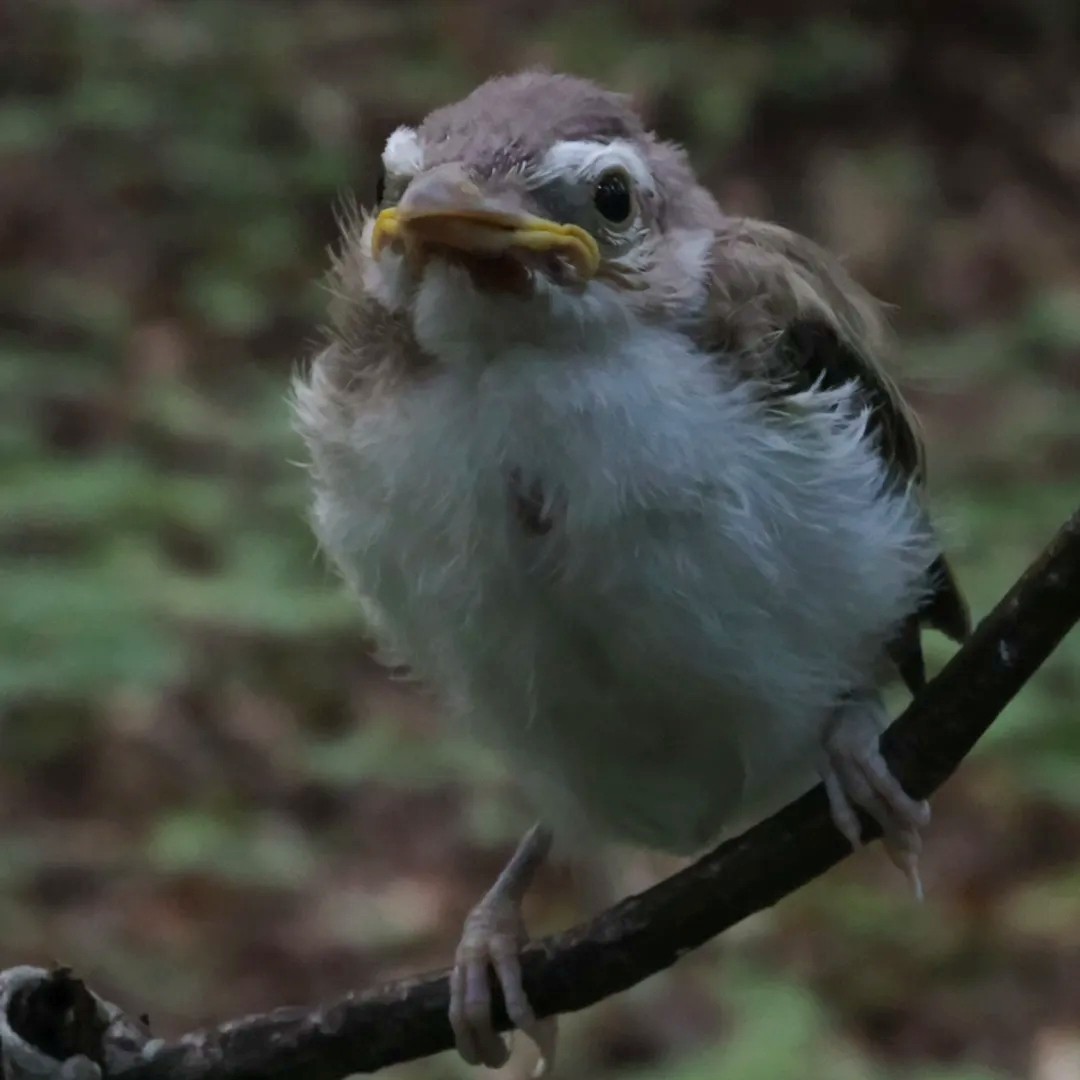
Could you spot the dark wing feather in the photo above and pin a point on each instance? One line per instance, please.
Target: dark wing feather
(810, 352)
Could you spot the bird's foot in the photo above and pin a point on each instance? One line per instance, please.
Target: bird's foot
(494, 935)
(856, 774)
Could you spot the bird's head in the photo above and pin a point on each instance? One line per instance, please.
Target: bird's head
(539, 211)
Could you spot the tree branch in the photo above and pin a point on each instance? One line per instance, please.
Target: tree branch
(367, 1031)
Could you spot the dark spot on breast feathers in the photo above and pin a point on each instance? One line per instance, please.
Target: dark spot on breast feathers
(529, 505)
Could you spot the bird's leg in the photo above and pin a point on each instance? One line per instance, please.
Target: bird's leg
(855, 772)
(494, 934)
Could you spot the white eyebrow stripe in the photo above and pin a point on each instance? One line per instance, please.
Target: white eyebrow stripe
(403, 155)
(586, 158)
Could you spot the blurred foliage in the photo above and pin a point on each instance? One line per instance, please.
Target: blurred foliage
(212, 800)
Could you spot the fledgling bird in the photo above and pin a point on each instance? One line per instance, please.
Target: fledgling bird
(621, 476)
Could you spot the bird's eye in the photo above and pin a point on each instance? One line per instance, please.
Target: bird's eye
(380, 186)
(612, 197)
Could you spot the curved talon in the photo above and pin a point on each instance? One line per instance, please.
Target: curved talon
(477, 1041)
(856, 774)
(491, 940)
(843, 813)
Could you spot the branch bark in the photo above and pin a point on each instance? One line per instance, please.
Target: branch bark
(48, 1018)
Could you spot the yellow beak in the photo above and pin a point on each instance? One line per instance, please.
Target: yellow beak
(445, 209)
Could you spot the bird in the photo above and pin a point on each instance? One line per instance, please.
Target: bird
(620, 475)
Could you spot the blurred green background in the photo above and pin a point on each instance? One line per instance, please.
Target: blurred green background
(211, 801)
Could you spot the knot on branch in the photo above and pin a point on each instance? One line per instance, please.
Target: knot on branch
(52, 1027)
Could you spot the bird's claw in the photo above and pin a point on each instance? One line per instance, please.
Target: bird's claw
(493, 936)
(856, 774)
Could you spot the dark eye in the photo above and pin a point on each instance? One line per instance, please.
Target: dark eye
(611, 196)
(380, 186)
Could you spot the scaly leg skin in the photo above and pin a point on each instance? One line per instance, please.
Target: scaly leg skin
(494, 934)
(855, 772)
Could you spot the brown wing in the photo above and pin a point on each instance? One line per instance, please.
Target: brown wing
(811, 352)
(787, 313)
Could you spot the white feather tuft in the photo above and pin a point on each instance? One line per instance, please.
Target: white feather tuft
(403, 155)
(718, 577)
